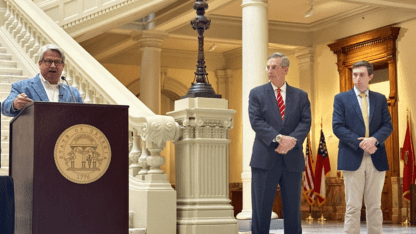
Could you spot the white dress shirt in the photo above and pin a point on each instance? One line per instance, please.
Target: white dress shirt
(52, 90)
(357, 95)
(282, 91)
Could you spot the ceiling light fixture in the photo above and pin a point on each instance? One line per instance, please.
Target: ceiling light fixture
(310, 11)
(213, 47)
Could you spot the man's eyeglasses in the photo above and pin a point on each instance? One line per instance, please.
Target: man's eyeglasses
(57, 62)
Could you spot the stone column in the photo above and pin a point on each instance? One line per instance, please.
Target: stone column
(306, 77)
(203, 204)
(150, 69)
(255, 53)
(223, 78)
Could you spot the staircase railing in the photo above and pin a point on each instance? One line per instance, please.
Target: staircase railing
(30, 28)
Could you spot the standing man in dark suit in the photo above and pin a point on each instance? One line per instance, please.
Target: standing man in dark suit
(47, 86)
(281, 117)
(361, 121)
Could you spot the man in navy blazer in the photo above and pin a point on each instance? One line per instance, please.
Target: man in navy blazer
(46, 86)
(361, 121)
(277, 156)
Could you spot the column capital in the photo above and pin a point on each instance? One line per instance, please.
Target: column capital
(247, 3)
(223, 74)
(305, 55)
(150, 38)
(223, 80)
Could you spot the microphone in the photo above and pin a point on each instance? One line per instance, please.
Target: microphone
(70, 90)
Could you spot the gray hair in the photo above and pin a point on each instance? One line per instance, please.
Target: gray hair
(52, 47)
(364, 63)
(284, 62)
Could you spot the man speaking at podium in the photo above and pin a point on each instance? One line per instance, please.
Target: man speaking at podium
(47, 86)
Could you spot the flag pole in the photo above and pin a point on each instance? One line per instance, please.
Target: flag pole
(321, 122)
(309, 219)
(322, 219)
(406, 222)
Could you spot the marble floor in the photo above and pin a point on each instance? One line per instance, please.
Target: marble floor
(338, 228)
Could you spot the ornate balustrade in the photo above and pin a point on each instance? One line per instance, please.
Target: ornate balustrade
(83, 19)
(28, 28)
(31, 29)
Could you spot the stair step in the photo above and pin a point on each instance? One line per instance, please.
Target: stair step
(4, 171)
(137, 231)
(5, 88)
(11, 78)
(3, 50)
(11, 71)
(5, 56)
(3, 95)
(4, 136)
(3, 117)
(8, 63)
(5, 125)
(4, 150)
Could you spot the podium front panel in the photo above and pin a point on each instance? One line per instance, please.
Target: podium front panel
(58, 204)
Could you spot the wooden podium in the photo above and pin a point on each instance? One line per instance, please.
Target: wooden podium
(46, 201)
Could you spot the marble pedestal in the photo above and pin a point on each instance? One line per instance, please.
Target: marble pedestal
(203, 204)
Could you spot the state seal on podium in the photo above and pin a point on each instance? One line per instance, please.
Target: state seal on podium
(82, 154)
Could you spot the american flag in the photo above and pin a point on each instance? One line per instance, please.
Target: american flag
(408, 156)
(309, 175)
(322, 169)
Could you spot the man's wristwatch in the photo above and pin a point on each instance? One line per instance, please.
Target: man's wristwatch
(278, 138)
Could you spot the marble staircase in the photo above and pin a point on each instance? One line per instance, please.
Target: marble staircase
(9, 73)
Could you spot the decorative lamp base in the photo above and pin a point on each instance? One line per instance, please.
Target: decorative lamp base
(201, 90)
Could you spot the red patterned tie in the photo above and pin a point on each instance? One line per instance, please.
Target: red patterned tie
(281, 103)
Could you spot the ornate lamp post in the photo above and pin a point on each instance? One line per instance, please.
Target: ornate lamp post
(201, 88)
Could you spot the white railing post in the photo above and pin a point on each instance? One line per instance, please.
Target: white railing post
(135, 154)
(14, 23)
(88, 91)
(7, 15)
(152, 188)
(143, 161)
(30, 42)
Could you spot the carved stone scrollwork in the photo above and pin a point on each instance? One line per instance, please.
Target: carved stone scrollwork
(159, 129)
(155, 131)
(206, 128)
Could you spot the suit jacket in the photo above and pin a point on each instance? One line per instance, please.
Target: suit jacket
(267, 122)
(348, 126)
(34, 90)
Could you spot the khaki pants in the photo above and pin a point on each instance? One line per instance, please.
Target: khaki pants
(367, 181)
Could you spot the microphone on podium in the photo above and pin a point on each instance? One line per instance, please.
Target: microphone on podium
(70, 90)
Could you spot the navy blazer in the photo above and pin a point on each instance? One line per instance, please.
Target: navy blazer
(348, 126)
(34, 90)
(267, 122)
